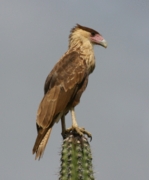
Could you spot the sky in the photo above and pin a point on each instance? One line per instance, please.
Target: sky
(114, 107)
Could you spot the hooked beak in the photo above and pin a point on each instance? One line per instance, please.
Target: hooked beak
(98, 39)
(103, 43)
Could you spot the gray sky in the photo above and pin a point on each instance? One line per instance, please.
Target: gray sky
(115, 106)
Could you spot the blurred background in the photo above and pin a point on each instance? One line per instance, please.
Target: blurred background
(115, 106)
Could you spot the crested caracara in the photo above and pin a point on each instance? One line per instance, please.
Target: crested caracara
(66, 83)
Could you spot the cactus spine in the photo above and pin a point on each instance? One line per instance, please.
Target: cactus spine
(76, 158)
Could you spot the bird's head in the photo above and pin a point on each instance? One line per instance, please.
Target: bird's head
(87, 34)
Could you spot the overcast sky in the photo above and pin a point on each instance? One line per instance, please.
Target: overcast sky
(115, 106)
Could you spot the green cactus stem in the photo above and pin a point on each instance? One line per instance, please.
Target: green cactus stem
(76, 158)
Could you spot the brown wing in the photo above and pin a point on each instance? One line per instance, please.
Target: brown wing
(61, 87)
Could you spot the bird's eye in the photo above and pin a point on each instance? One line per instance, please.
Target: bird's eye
(93, 34)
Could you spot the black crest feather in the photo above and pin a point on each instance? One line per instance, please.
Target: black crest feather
(78, 26)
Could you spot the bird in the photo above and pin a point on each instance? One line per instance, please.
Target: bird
(65, 84)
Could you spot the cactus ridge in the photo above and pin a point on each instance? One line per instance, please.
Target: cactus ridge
(76, 158)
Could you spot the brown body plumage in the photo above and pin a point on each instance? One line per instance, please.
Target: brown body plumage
(66, 83)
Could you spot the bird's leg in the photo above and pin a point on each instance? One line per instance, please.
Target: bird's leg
(63, 126)
(75, 126)
(73, 116)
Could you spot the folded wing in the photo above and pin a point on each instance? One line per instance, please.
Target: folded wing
(63, 89)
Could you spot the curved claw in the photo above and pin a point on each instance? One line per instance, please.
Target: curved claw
(87, 133)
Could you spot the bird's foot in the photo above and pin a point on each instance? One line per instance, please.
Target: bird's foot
(78, 130)
(64, 134)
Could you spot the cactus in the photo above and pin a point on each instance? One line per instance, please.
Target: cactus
(76, 158)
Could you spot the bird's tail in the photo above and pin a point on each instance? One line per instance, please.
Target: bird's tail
(40, 143)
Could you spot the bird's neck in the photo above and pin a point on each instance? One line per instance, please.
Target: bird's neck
(85, 49)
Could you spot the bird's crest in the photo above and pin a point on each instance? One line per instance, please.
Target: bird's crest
(78, 26)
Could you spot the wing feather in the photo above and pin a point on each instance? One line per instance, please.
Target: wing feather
(61, 84)
(63, 88)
